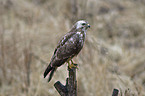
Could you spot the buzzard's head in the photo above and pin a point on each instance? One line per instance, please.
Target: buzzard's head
(82, 25)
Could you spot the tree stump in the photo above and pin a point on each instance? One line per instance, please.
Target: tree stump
(70, 89)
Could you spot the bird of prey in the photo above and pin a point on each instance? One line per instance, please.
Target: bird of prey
(68, 47)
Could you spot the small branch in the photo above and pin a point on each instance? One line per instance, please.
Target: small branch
(62, 90)
(115, 92)
(70, 89)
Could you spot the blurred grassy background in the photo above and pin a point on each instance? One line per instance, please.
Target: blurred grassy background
(113, 55)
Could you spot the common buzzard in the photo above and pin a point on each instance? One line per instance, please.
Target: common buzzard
(68, 47)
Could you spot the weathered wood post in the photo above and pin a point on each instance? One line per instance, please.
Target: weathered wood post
(115, 92)
(70, 89)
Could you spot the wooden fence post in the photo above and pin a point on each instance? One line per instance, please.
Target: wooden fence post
(115, 92)
(70, 89)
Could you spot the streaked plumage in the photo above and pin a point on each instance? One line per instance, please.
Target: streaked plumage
(68, 47)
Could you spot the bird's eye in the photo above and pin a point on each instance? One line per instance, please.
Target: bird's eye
(83, 23)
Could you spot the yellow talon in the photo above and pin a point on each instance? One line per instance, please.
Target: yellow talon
(72, 65)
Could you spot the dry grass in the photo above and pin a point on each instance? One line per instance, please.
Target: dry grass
(113, 55)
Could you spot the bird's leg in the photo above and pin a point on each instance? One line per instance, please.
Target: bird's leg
(68, 63)
(72, 65)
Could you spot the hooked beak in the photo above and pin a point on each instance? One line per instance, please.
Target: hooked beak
(88, 25)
